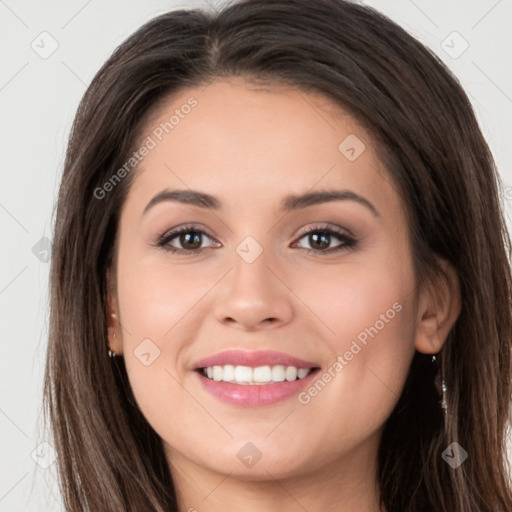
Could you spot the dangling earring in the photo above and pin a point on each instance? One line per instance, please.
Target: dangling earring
(111, 353)
(440, 385)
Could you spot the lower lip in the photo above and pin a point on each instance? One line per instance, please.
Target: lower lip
(255, 395)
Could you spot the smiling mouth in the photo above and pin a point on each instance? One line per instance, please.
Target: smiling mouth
(255, 376)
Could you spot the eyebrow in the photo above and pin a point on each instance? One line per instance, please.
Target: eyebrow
(288, 204)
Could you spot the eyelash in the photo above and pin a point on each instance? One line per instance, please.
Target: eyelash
(348, 241)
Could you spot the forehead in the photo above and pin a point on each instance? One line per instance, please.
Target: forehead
(256, 144)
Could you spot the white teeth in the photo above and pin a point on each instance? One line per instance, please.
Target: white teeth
(218, 372)
(291, 373)
(278, 374)
(302, 372)
(229, 373)
(259, 375)
(262, 374)
(243, 374)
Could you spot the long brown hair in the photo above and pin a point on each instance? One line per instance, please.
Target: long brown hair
(109, 458)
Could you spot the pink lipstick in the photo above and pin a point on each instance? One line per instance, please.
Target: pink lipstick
(254, 378)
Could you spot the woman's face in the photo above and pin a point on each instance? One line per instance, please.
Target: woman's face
(256, 299)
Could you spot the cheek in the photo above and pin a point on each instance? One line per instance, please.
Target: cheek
(371, 347)
(156, 306)
(361, 302)
(156, 299)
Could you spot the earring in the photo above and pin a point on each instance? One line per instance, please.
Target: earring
(440, 385)
(111, 353)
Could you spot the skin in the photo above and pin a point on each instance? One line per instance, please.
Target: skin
(250, 147)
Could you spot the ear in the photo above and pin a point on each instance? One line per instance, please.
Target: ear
(114, 326)
(438, 308)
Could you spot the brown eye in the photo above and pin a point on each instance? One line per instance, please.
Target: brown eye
(320, 237)
(190, 241)
(188, 238)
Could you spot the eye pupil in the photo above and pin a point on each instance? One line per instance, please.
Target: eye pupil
(316, 237)
(185, 238)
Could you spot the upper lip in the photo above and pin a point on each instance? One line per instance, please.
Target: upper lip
(253, 358)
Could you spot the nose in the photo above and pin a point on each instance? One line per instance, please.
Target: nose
(254, 296)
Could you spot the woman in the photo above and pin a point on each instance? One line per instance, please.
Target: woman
(248, 370)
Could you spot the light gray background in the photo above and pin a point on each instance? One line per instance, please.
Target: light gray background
(38, 99)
